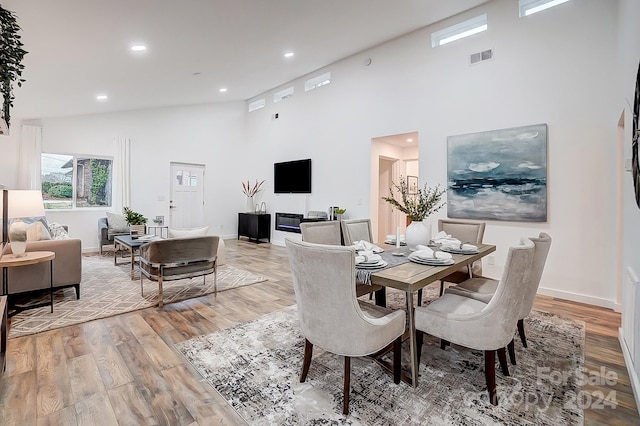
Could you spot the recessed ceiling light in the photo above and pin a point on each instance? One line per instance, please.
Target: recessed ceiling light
(102, 97)
(409, 140)
(289, 55)
(139, 48)
(222, 90)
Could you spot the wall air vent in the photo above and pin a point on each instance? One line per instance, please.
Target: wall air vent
(476, 58)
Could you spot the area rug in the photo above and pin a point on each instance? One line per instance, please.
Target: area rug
(255, 366)
(108, 290)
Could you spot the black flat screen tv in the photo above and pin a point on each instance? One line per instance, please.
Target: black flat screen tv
(292, 177)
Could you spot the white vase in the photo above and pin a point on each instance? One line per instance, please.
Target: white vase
(18, 237)
(418, 232)
(250, 207)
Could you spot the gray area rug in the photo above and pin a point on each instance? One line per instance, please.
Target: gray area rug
(108, 290)
(255, 366)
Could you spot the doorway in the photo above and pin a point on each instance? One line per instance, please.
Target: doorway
(391, 157)
(186, 205)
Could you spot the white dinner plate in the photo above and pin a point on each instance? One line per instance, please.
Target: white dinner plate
(431, 262)
(380, 264)
(458, 251)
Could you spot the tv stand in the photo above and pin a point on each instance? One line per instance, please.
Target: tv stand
(255, 226)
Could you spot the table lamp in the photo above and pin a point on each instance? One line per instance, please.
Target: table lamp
(22, 204)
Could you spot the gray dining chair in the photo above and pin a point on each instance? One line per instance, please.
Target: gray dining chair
(330, 314)
(465, 231)
(483, 289)
(356, 230)
(477, 325)
(328, 232)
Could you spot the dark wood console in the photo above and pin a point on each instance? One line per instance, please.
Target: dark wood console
(255, 226)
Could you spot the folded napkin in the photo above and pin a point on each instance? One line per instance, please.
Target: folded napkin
(425, 252)
(448, 242)
(366, 245)
(392, 237)
(367, 259)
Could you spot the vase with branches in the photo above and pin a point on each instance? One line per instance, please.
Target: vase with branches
(417, 205)
(251, 191)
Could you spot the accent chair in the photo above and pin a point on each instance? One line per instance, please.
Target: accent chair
(330, 314)
(488, 327)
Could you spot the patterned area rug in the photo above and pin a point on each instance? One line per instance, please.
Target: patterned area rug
(255, 366)
(108, 290)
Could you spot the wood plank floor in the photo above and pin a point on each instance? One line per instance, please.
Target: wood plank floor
(123, 370)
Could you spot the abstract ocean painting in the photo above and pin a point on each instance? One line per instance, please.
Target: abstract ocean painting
(498, 175)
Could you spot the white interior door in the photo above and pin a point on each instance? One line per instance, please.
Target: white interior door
(186, 206)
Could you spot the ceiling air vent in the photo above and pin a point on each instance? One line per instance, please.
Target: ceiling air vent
(485, 55)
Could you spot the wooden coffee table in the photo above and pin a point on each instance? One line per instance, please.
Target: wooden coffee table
(125, 242)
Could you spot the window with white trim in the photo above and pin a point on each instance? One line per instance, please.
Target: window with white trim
(75, 181)
(529, 7)
(260, 103)
(461, 30)
(318, 81)
(283, 94)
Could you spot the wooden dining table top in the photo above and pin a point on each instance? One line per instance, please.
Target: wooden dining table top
(411, 277)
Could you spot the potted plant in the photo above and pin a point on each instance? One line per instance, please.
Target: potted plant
(135, 220)
(417, 206)
(250, 191)
(339, 212)
(10, 63)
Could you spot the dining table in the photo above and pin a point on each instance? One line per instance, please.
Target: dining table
(410, 277)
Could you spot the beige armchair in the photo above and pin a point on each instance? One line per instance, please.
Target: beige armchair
(488, 327)
(330, 314)
(178, 258)
(483, 289)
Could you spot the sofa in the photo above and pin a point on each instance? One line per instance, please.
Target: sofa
(105, 235)
(67, 267)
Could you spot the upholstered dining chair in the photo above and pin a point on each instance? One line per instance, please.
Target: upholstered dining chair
(328, 232)
(465, 231)
(356, 230)
(488, 327)
(360, 230)
(483, 289)
(330, 314)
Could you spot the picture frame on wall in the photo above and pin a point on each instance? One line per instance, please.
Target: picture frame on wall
(498, 174)
(412, 184)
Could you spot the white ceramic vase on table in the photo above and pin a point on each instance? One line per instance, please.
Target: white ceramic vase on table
(418, 232)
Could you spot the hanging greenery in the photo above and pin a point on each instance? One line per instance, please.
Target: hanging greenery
(11, 55)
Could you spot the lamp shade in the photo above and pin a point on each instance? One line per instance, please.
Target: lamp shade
(25, 203)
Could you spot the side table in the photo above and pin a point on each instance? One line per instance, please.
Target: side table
(29, 258)
(164, 230)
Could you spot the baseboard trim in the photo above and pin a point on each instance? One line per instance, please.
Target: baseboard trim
(633, 376)
(576, 297)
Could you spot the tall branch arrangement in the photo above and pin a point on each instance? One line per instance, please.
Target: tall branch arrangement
(417, 206)
(250, 190)
(11, 55)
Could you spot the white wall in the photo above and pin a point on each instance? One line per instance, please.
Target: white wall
(557, 67)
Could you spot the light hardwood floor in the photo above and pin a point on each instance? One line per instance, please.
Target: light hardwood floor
(123, 370)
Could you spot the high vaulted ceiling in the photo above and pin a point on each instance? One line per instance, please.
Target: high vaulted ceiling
(81, 48)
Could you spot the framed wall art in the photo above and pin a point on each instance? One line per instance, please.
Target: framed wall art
(498, 174)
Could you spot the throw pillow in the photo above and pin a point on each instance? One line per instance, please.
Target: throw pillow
(58, 232)
(37, 232)
(189, 232)
(117, 223)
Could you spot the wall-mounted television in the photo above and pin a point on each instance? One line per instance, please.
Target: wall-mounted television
(292, 177)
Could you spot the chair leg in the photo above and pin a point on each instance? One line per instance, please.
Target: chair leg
(441, 287)
(381, 297)
(420, 297)
(141, 287)
(215, 280)
(490, 375)
(397, 359)
(419, 341)
(308, 351)
(347, 380)
(502, 357)
(521, 332)
(160, 302)
(444, 344)
(512, 352)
